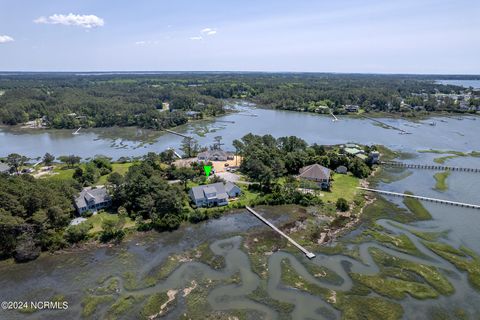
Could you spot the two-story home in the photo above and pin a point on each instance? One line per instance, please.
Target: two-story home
(92, 199)
(216, 194)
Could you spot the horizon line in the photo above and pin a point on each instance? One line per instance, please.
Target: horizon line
(233, 72)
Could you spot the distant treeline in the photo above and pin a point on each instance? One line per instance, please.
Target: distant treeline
(96, 100)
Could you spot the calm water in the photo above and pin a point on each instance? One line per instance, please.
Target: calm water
(462, 83)
(449, 133)
(74, 274)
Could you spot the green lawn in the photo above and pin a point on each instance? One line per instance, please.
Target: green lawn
(97, 219)
(62, 173)
(343, 186)
(120, 168)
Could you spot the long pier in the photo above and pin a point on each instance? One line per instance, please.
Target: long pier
(386, 124)
(406, 195)
(309, 254)
(177, 133)
(427, 166)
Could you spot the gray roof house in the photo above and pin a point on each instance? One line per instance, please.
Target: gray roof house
(316, 173)
(216, 194)
(92, 199)
(215, 155)
(4, 168)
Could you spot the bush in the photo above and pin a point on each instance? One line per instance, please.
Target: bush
(86, 214)
(77, 233)
(342, 205)
(197, 216)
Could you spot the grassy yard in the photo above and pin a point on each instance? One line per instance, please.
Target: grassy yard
(63, 172)
(343, 186)
(97, 219)
(120, 168)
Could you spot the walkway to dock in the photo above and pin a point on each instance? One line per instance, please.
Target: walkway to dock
(427, 166)
(386, 124)
(309, 254)
(453, 203)
(177, 133)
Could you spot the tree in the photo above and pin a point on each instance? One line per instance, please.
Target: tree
(15, 161)
(184, 174)
(77, 233)
(48, 159)
(189, 147)
(342, 205)
(218, 142)
(70, 160)
(115, 179)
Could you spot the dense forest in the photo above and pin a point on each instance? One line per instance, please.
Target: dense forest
(63, 100)
(266, 158)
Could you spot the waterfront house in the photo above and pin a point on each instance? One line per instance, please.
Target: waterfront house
(215, 155)
(92, 199)
(351, 108)
(316, 173)
(375, 156)
(215, 194)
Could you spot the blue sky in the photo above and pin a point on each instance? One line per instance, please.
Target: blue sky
(385, 36)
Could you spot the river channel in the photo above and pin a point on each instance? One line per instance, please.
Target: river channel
(76, 274)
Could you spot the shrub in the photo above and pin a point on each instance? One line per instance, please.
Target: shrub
(342, 205)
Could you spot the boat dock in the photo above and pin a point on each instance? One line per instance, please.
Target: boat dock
(406, 195)
(177, 133)
(309, 254)
(427, 166)
(386, 124)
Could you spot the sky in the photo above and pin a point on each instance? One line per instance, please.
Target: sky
(361, 36)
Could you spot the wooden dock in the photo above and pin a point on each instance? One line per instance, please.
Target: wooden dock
(309, 254)
(386, 124)
(427, 166)
(177, 133)
(404, 195)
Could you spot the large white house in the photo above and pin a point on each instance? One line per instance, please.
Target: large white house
(216, 194)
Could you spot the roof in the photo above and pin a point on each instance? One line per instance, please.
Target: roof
(352, 150)
(213, 153)
(98, 195)
(315, 171)
(218, 188)
(4, 167)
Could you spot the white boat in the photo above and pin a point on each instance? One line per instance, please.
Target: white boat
(76, 132)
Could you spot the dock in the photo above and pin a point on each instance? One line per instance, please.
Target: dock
(177, 133)
(334, 117)
(247, 114)
(309, 254)
(386, 124)
(404, 195)
(427, 166)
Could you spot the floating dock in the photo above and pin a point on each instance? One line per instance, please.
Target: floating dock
(309, 254)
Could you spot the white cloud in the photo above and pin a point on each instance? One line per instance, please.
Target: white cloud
(5, 39)
(78, 20)
(208, 31)
(147, 43)
(196, 38)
